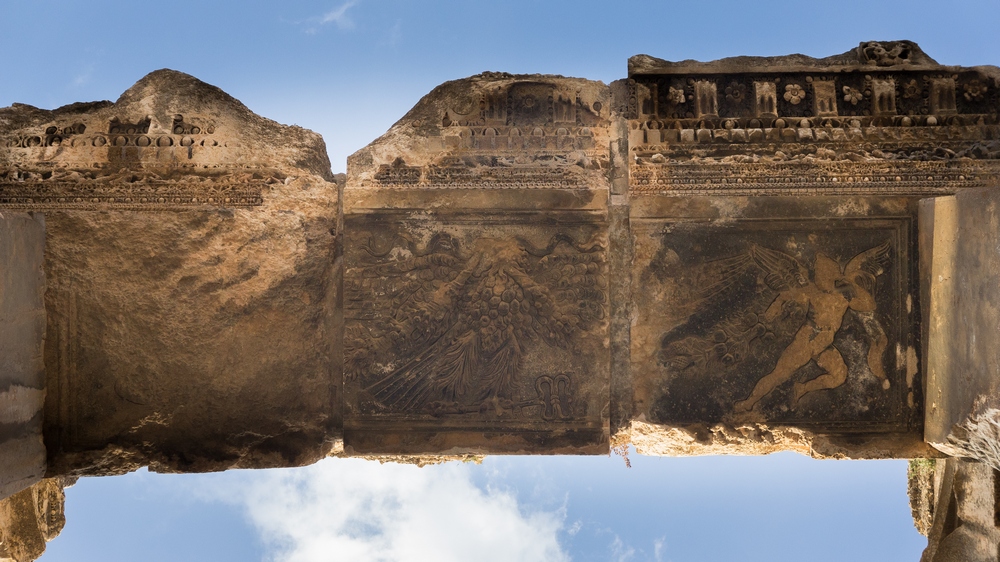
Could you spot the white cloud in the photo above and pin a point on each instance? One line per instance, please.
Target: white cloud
(84, 75)
(351, 509)
(339, 16)
(394, 34)
(620, 551)
(658, 547)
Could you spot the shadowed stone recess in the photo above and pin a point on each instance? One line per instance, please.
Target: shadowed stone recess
(22, 331)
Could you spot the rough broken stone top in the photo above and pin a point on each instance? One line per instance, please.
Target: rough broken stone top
(867, 56)
(493, 130)
(168, 129)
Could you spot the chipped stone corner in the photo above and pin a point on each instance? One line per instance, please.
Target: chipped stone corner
(977, 438)
(717, 439)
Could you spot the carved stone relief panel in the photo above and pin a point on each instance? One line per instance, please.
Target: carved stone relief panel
(477, 334)
(476, 287)
(777, 318)
(32, 517)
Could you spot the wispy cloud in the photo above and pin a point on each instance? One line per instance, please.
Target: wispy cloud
(393, 34)
(339, 15)
(658, 548)
(352, 509)
(620, 551)
(84, 75)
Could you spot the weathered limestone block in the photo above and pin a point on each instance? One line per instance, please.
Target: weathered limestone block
(31, 518)
(22, 331)
(959, 240)
(476, 284)
(964, 513)
(773, 204)
(193, 269)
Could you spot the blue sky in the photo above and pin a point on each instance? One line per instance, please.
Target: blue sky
(784, 507)
(348, 70)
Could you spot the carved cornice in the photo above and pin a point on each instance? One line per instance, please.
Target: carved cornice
(494, 131)
(882, 119)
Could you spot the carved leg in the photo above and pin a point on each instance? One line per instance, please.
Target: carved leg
(878, 345)
(797, 354)
(830, 361)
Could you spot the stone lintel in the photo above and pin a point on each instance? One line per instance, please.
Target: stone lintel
(703, 258)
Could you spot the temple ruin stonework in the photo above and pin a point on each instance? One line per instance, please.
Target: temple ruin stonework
(732, 257)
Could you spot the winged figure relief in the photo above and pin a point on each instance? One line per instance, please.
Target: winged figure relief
(813, 307)
(454, 325)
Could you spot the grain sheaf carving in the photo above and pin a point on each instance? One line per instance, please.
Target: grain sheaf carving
(445, 330)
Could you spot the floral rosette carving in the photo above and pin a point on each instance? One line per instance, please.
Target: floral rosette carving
(852, 95)
(676, 96)
(736, 92)
(794, 94)
(975, 91)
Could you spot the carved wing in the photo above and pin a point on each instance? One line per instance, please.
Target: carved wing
(866, 266)
(781, 271)
(724, 342)
(721, 274)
